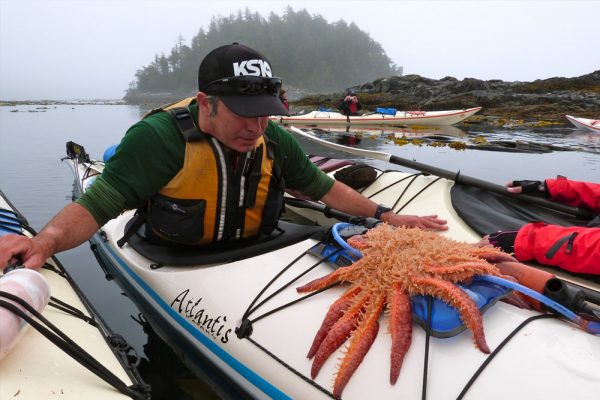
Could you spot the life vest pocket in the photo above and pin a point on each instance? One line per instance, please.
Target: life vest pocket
(177, 220)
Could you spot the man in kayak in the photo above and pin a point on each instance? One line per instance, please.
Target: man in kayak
(574, 248)
(206, 170)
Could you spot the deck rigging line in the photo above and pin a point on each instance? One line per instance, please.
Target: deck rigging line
(139, 390)
(136, 391)
(497, 350)
(245, 330)
(426, 355)
(412, 177)
(252, 308)
(291, 369)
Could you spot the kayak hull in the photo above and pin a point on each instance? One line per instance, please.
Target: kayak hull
(423, 118)
(592, 125)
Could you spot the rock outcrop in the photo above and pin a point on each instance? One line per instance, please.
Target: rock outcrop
(547, 99)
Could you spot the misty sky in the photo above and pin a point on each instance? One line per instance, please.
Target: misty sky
(90, 49)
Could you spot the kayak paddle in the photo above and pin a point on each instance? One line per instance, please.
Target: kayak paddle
(453, 176)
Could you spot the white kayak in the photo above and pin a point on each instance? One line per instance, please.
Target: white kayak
(35, 368)
(239, 311)
(424, 118)
(585, 123)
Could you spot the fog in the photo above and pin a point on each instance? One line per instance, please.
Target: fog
(92, 49)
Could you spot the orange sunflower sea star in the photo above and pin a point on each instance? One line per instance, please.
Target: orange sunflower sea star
(397, 263)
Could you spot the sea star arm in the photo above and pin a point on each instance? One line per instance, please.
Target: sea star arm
(400, 329)
(339, 275)
(339, 332)
(336, 311)
(465, 270)
(361, 342)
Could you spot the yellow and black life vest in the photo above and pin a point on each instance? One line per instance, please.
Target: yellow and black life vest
(211, 201)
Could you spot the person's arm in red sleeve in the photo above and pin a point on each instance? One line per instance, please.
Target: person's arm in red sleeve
(575, 193)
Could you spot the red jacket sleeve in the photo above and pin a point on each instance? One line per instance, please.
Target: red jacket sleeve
(575, 193)
(573, 248)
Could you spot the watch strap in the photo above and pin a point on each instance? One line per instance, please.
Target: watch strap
(380, 210)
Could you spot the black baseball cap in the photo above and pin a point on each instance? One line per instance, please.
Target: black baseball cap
(243, 80)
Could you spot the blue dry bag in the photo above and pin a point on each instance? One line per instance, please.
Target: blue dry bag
(385, 111)
(109, 152)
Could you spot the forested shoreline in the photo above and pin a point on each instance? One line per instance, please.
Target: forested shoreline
(320, 61)
(309, 53)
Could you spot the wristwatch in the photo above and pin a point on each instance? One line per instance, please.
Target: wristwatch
(380, 210)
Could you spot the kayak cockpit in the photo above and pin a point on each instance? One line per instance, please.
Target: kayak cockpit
(286, 234)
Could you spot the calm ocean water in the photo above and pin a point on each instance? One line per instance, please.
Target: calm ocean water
(32, 142)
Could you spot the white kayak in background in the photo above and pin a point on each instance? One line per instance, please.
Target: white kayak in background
(33, 367)
(424, 118)
(585, 123)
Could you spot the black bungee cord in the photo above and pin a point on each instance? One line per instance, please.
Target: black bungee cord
(426, 355)
(62, 341)
(244, 331)
(497, 350)
(486, 362)
(138, 391)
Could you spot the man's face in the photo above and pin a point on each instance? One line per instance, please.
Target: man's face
(236, 132)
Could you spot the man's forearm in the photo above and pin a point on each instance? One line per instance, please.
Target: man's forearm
(72, 226)
(344, 198)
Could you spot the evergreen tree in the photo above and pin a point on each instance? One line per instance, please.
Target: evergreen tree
(305, 50)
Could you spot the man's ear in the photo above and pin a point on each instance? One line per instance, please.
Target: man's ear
(201, 99)
(205, 106)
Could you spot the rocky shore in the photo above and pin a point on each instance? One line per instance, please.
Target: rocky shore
(538, 103)
(545, 100)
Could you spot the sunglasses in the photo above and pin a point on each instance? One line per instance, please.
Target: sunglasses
(244, 84)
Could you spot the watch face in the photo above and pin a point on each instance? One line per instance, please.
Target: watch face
(380, 210)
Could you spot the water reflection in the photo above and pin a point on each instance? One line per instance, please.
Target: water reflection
(590, 141)
(394, 131)
(555, 139)
(169, 378)
(347, 140)
(539, 140)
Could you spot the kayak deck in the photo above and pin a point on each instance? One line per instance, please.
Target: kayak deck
(200, 309)
(38, 369)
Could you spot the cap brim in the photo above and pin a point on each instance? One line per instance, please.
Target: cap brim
(259, 105)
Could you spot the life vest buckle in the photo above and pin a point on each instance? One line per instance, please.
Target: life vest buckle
(180, 113)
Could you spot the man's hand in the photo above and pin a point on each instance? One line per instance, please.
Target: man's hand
(342, 197)
(72, 226)
(429, 222)
(17, 247)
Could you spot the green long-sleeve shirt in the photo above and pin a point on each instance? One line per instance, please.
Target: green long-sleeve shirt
(152, 153)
